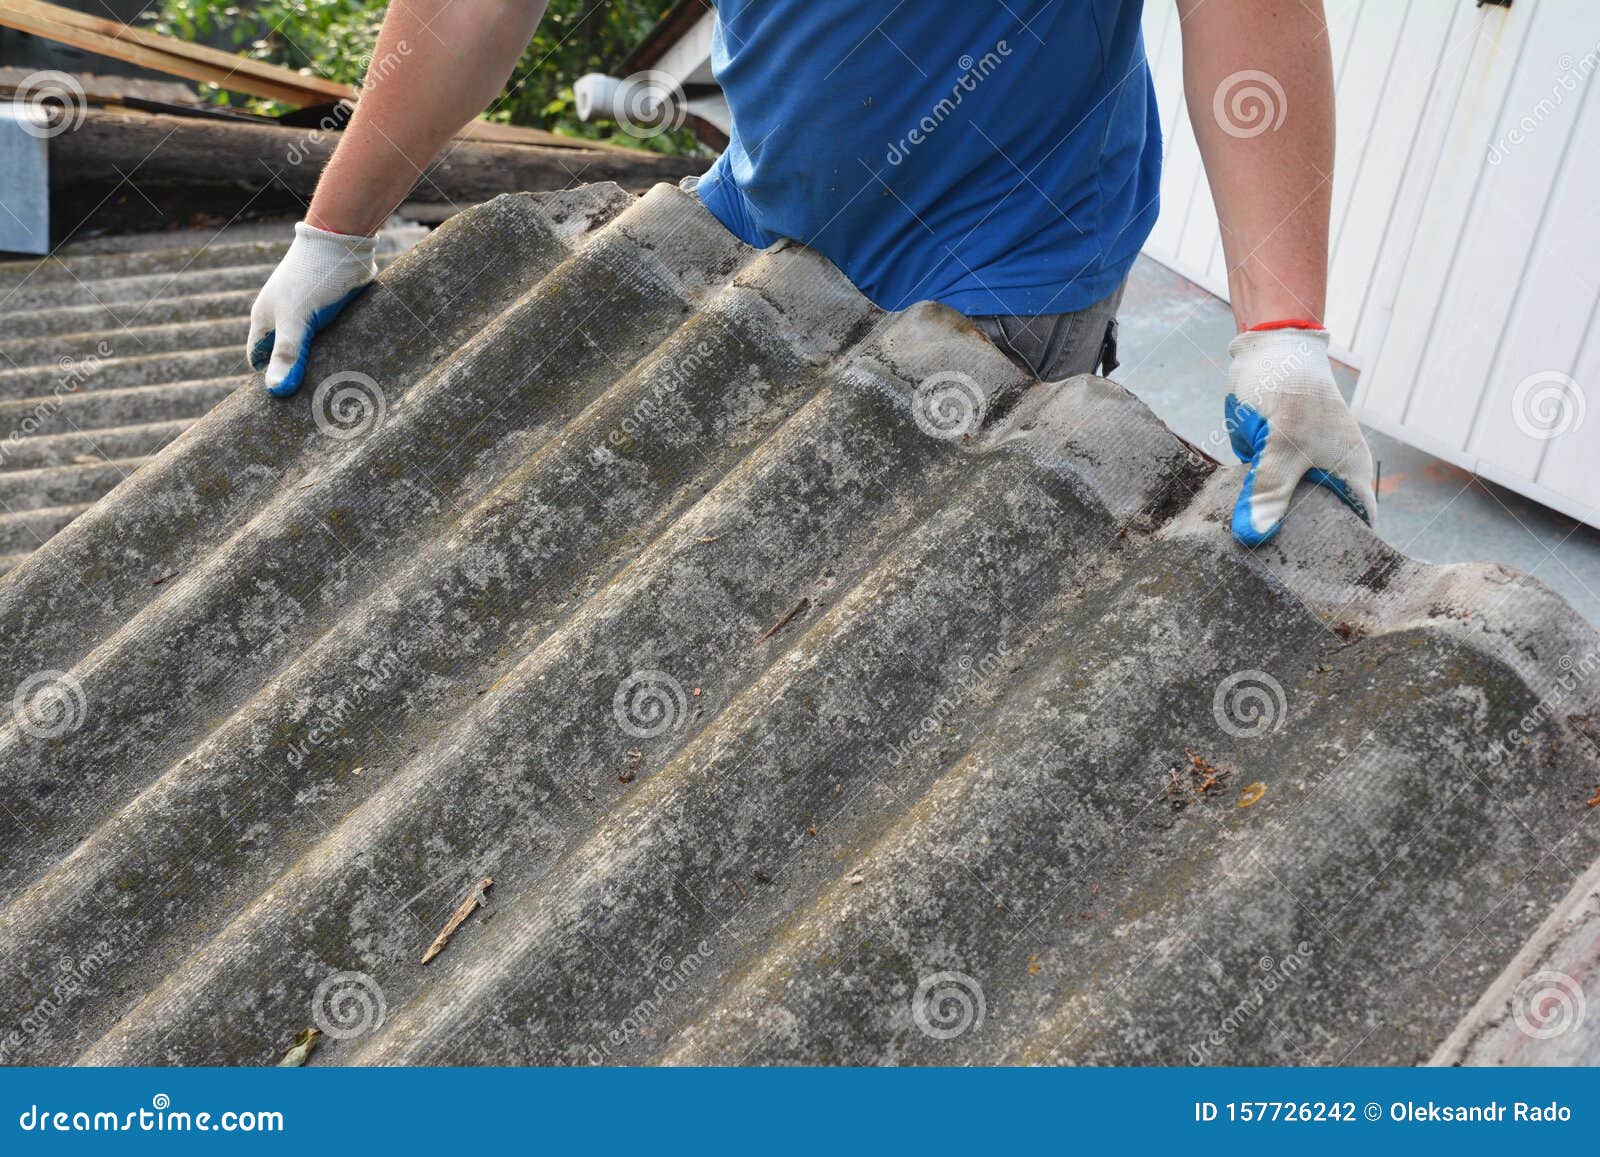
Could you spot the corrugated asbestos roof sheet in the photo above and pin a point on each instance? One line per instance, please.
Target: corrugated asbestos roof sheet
(108, 350)
(811, 688)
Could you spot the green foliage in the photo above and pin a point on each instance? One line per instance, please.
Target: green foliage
(334, 39)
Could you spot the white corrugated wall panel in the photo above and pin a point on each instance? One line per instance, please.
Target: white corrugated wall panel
(1367, 143)
(1461, 280)
(1365, 36)
(1422, 79)
(1487, 352)
(1548, 324)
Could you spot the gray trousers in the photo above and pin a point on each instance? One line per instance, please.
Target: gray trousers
(1059, 345)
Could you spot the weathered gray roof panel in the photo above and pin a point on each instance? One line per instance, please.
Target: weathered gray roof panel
(109, 349)
(813, 687)
(1543, 1008)
(107, 353)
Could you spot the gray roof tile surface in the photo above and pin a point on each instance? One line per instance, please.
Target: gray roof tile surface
(109, 349)
(812, 685)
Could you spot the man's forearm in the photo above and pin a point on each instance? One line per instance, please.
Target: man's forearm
(1258, 77)
(437, 64)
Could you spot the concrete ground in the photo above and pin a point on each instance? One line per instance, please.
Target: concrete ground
(1174, 339)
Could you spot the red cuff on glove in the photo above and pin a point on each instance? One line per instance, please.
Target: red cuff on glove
(1287, 323)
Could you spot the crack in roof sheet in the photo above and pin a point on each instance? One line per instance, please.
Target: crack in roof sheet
(610, 558)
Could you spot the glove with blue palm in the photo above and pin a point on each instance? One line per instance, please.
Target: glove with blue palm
(1288, 421)
(321, 274)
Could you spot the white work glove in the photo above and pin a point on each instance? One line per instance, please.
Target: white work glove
(1287, 419)
(320, 275)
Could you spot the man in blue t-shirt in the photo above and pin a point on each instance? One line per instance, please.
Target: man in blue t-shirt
(1000, 156)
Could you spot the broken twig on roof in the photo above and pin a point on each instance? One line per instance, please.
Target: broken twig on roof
(475, 900)
(784, 622)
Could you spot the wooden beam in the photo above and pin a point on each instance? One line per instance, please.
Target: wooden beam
(182, 166)
(133, 46)
(114, 37)
(199, 63)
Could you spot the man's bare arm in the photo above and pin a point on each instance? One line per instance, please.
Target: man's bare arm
(1246, 64)
(437, 64)
(1258, 75)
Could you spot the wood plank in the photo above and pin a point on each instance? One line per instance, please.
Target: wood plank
(99, 89)
(185, 166)
(68, 18)
(234, 73)
(673, 26)
(80, 29)
(157, 148)
(495, 132)
(159, 60)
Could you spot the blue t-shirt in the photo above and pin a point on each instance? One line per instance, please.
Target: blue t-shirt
(1002, 158)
